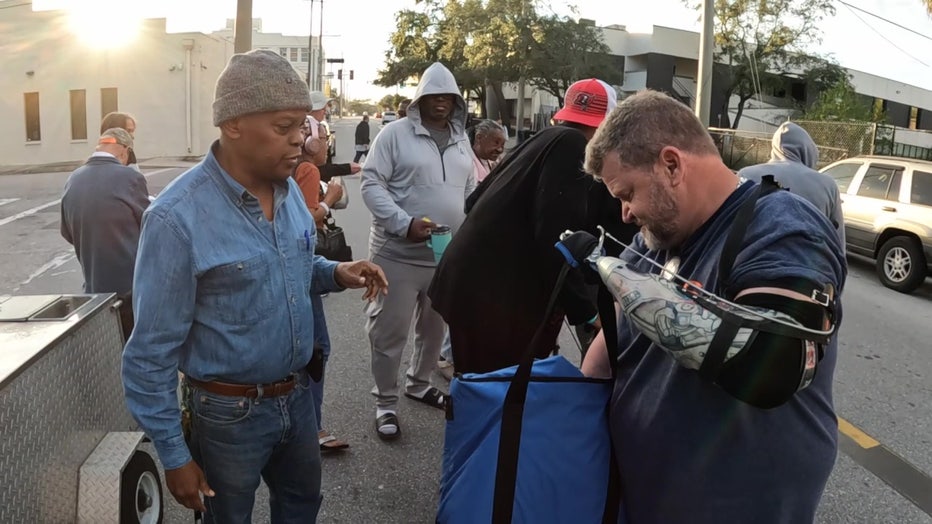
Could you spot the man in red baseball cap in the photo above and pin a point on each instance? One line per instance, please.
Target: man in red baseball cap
(496, 275)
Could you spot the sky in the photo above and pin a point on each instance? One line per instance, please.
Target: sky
(358, 30)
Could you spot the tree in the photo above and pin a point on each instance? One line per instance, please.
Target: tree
(437, 31)
(390, 101)
(840, 102)
(928, 6)
(564, 51)
(362, 106)
(756, 37)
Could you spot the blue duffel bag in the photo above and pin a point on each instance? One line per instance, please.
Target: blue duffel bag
(529, 444)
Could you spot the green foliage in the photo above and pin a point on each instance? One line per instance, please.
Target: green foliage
(488, 42)
(362, 106)
(758, 36)
(840, 102)
(390, 102)
(564, 51)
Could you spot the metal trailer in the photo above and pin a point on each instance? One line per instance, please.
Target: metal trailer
(68, 446)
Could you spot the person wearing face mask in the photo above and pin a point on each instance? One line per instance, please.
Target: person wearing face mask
(101, 214)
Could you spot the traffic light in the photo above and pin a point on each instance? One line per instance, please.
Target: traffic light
(339, 74)
(350, 74)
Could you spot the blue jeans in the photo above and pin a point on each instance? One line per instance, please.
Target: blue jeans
(235, 440)
(322, 340)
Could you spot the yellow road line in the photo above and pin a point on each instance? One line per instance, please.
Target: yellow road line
(862, 439)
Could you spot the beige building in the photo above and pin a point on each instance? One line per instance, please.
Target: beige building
(54, 88)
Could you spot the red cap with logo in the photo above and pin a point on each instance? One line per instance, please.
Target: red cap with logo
(587, 102)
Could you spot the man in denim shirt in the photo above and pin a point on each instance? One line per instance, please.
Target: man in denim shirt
(222, 293)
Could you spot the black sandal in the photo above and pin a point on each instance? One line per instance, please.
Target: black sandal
(387, 419)
(433, 398)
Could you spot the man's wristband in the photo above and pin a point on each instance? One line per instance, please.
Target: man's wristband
(326, 207)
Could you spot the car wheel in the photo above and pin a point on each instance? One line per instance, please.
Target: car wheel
(901, 265)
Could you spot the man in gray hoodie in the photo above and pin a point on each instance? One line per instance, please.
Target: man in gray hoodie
(793, 159)
(417, 176)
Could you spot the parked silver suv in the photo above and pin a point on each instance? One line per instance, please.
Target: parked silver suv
(887, 203)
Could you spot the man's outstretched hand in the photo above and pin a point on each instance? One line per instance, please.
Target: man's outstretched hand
(362, 274)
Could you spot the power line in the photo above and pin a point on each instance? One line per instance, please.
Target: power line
(891, 22)
(881, 35)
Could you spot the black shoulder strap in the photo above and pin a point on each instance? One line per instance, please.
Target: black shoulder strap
(509, 442)
(739, 228)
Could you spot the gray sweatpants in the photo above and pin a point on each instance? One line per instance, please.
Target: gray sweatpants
(388, 321)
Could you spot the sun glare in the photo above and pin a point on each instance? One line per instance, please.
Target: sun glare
(100, 24)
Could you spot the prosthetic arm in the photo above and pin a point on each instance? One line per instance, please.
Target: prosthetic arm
(761, 355)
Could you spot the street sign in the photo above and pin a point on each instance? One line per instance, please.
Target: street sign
(335, 60)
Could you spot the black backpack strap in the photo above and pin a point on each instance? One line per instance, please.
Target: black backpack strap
(509, 443)
(739, 229)
(718, 348)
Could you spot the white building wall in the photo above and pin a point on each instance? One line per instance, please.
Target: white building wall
(41, 55)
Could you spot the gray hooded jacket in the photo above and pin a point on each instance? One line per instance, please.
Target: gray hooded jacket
(793, 158)
(407, 176)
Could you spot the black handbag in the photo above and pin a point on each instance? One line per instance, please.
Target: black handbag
(331, 242)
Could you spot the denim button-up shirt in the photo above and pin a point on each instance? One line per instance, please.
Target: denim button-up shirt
(220, 293)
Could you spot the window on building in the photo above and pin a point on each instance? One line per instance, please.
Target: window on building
(33, 129)
(913, 118)
(294, 54)
(843, 174)
(921, 190)
(305, 56)
(78, 114)
(283, 51)
(108, 101)
(881, 182)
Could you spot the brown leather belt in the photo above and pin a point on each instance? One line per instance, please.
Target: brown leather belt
(275, 389)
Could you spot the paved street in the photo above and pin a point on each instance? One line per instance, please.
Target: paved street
(883, 381)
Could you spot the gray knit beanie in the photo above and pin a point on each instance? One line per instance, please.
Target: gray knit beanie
(259, 81)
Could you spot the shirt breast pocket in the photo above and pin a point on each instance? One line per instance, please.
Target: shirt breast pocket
(238, 292)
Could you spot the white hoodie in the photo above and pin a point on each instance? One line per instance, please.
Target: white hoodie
(407, 176)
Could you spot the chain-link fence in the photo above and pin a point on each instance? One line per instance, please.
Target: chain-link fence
(838, 140)
(835, 141)
(741, 149)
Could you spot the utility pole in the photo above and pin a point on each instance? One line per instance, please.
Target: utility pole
(320, 55)
(242, 30)
(706, 46)
(310, 47)
(519, 107)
